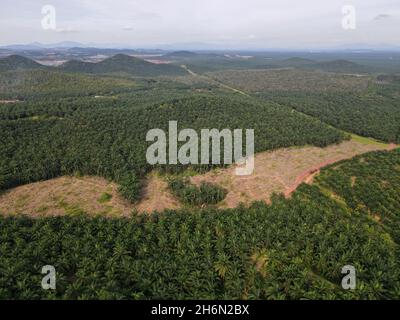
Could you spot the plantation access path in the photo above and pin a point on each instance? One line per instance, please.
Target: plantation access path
(307, 176)
(9, 101)
(214, 81)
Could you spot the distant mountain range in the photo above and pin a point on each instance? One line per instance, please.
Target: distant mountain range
(65, 45)
(298, 62)
(119, 63)
(195, 46)
(134, 66)
(123, 63)
(181, 54)
(40, 46)
(341, 66)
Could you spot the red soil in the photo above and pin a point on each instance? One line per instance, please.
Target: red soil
(308, 175)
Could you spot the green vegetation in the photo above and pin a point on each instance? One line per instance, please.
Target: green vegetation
(192, 195)
(44, 84)
(109, 139)
(292, 249)
(290, 80)
(370, 186)
(15, 62)
(71, 209)
(370, 141)
(342, 66)
(130, 187)
(363, 105)
(124, 64)
(208, 62)
(118, 64)
(92, 118)
(374, 113)
(105, 197)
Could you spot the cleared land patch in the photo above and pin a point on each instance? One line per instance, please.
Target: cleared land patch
(281, 171)
(66, 196)
(84, 195)
(156, 196)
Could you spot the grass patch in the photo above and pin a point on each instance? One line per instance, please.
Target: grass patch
(71, 209)
(42, 209)
(368, 141)
(21, 201)
(105, 197)
(107, 210)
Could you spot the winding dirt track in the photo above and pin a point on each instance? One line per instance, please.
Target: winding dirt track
(307, 176)
(282, 171)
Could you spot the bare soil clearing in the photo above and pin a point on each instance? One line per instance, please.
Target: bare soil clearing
(65, 196)
(156, 196)
(72, 195)
(281, 171)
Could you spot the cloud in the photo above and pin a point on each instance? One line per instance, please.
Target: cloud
(381, 17)
(66, 30)
(152, 23)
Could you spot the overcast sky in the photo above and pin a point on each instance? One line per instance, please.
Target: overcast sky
(224, 23)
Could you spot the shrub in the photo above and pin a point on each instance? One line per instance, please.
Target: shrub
(130, 187)
(192, 195)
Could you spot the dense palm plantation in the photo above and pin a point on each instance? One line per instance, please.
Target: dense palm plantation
(365, 104)
(106, 136)
(291, 249)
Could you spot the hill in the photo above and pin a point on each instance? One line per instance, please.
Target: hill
(342, 66)
(388, 78)
(78, 66)
(34, 84)
(339, 66)
(123, 63)
(297, 62)
(181, 54)
(16, 62)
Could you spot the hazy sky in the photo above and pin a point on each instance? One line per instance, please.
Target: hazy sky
(229, 23)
